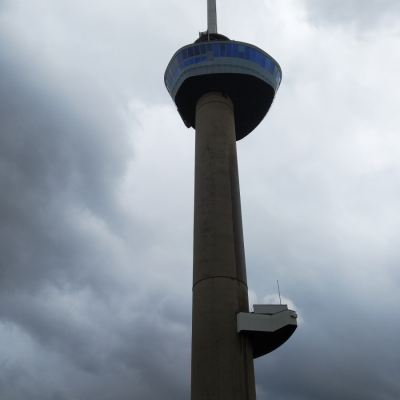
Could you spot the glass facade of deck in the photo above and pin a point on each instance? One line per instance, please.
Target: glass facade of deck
(207, 52)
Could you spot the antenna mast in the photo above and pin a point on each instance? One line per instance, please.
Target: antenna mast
(212, 16)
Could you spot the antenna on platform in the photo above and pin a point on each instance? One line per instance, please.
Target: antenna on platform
(279, 292)
(212, 16)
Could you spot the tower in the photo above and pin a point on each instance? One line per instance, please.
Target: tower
(223, 89)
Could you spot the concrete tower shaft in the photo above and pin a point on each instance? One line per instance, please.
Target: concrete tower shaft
(223, 89)
(222, 360)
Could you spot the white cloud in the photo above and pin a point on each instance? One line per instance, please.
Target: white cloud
(97, 179)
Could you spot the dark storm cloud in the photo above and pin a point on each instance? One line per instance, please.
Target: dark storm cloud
(320, 205)
(350, 356)
(50, 157)
(63, 240)
(346, 343)
(95, 234)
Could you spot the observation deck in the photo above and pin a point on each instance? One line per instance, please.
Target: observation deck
(245, 73)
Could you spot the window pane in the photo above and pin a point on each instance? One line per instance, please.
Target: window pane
(216, 50)
(253, 55)
(247, 53)
(261, 59)
(269, 66)
(235, 50)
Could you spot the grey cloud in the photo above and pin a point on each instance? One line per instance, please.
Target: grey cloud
(63, 241)
(340, 350)
(48, 154)
(364, 14)
(320, 205)
(95, 287)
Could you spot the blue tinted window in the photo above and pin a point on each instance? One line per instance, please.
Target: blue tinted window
(232, 50)
(240, 52)
(267, 64)
(216, 50)
(203, 52)
(270, 65)
(260, 59)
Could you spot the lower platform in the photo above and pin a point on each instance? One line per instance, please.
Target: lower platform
(268, 327)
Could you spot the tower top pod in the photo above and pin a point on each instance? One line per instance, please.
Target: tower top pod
(214, 63)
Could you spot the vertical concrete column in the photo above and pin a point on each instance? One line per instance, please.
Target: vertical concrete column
(222, 361)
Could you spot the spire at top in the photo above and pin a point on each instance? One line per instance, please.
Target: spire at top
(212, 16)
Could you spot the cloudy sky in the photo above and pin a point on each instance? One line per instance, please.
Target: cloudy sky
(96, 200)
